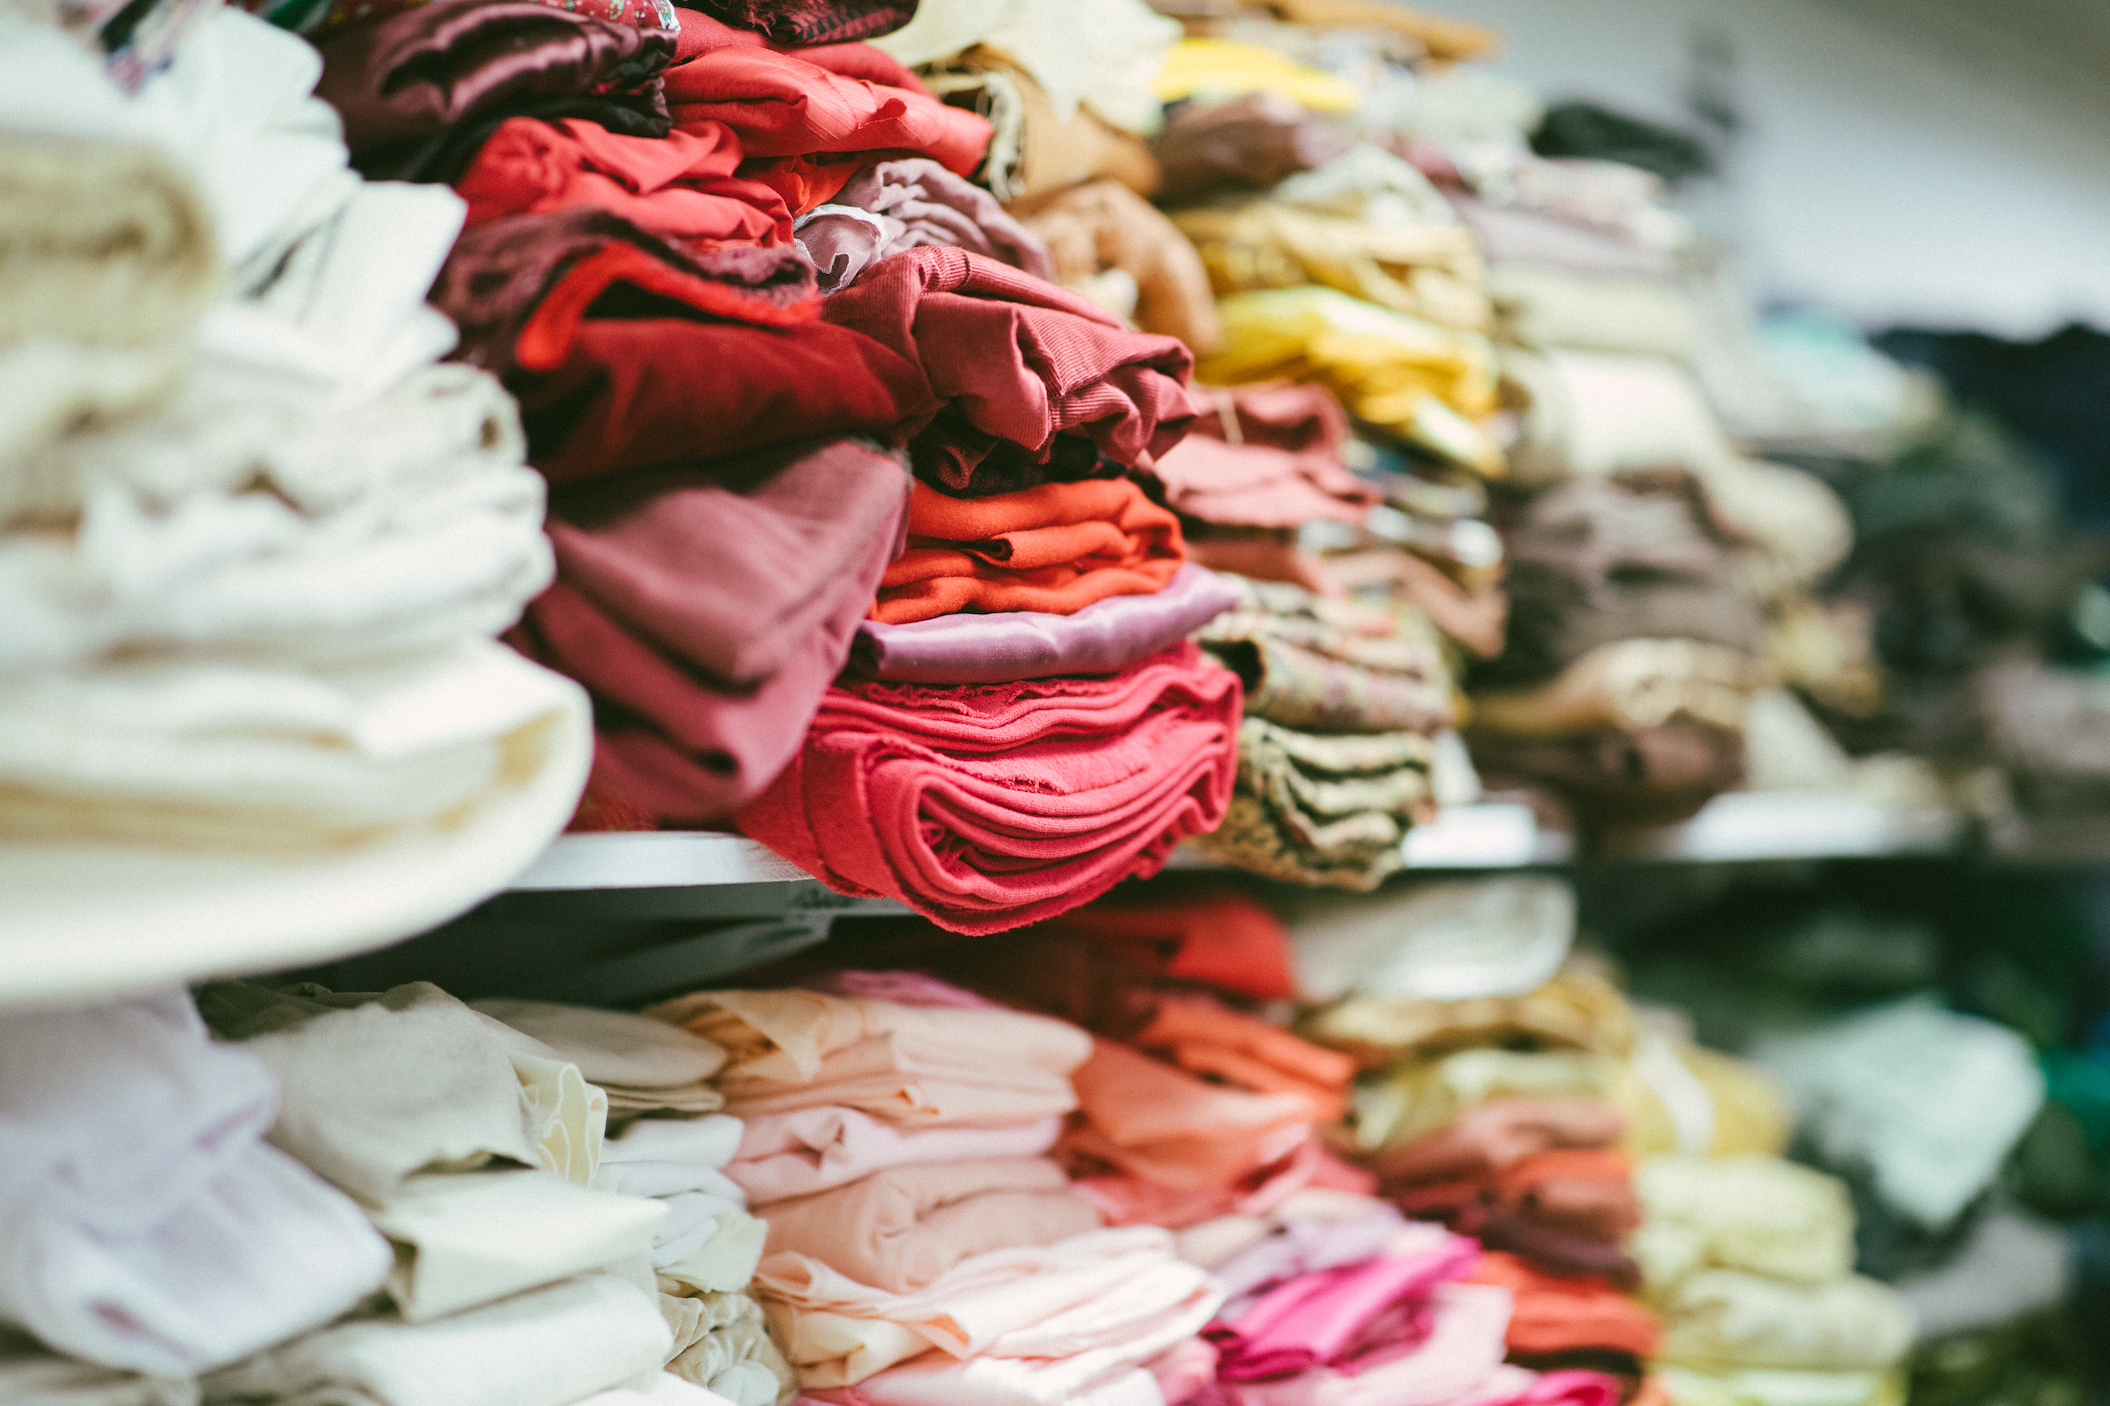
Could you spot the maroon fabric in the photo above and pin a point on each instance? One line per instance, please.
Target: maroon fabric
(499, 273)
(986, 808)
(796, 22)
(442, 75)
(1030, 375)
(707, 608)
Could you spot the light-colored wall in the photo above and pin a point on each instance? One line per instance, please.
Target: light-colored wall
(1891, 168)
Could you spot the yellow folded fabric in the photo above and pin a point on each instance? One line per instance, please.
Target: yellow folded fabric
(1756, 1214)
(1223, 68)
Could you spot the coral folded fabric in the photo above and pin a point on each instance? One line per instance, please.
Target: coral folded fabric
(707, 666)
(428, 80)
(1053, 550)
(1034, 382)
(1165, 1125)
(1265, 455)
(1101, 638)
(1561, 1315)
(986, 808)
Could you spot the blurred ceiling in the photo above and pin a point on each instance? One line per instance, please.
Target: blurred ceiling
(2062, 46)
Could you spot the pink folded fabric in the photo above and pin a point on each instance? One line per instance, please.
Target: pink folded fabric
(1265, 455)
(903, 987)
(901, 1228)
(813, 1149)
(1165, 1125)
(893, 206)
(1311, 1320)
(990, 807)
(1519, 1386)
(1307, 1245)
(1458, 1354)
(1124, 1199)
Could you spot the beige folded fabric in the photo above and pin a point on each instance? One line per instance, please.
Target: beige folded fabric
(1725, 1318)
(722, 1343)
(640, 1064)
(724, 1262)
(1629, 684)
(902, 1227)
(1760, 1215)
(548, 1347)
(1553, 307)
(107, 243)
(470, 1238)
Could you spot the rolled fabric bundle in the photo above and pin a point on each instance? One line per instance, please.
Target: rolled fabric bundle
(797, 23)
(281, 758)
(1425, 269)
(1252, 141)
(913, 203)
(833, 101)
(901, 1227)
(1103, 224)
(419, 89)
(1033, 382)
(276, 528)
(1432, 386)
(705, 694)
(109, 243)
(1104, 637)
(1053, 549)
(1323, 809)
(934, 796)
(682, 186)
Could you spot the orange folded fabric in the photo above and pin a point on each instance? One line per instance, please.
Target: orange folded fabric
(1224, 940)
(1145, 1117)
(1555, 1314)
(1054, 549)
(1205, 1038)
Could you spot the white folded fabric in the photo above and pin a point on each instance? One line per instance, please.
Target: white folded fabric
(663, 1156)
(548, 1347)
(1435, 942)
(48, 386)
(469, 1238)
(276, 528)
(666, 1390)
(271, 757)
(148, 1227)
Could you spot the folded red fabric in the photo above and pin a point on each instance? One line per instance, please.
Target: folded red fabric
(797, 104)
(1217, 939)
(670, 641)
(1027, 372)
(990, 807)
(1054, 549)
(683, 186)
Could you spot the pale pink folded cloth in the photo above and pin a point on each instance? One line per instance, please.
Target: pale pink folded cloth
(1312, 1320)
(1104, 1291)
(912, 1065)
(900, 1228)
(1456, 1358)
(813, 1149)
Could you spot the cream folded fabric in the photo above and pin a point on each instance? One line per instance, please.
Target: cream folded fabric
(721, 1342)
(813, 1149)
(548, 1347)
(148, 1227)
(273, 757)
(49, 386)
(1433, 942)
(1761, 1215)
(900, 1228)
(838, 1332)
(1761, 1387)
(913, 1065)
(708, 1241)
(32, 1376)
(470, 1238)
(1725, 1318)
(257, 527)
(642, 1064)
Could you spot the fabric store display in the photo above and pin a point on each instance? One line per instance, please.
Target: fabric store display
(892, 206)
(1113, 1298)
(1104, 637)
(1269, 457)
(1095, 780)
(402, 119)
(901, 1227)
(522, 1350)
(707, 691)
(151, 1229)
(1051, 550)
(1030, 383)
(1103, 225)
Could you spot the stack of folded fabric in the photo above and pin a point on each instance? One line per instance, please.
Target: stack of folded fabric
(922, 1245)
(1749, 1260)
(1192, 1106)
(254, 543)
(1343, 704)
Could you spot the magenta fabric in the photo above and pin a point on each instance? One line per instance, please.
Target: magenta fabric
(796, 542)
(1021, 368)
(1443, 1354)
(1311, 1320)
(1103, 638)
(990, 807)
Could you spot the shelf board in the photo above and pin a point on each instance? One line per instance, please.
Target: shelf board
(1745, 826)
